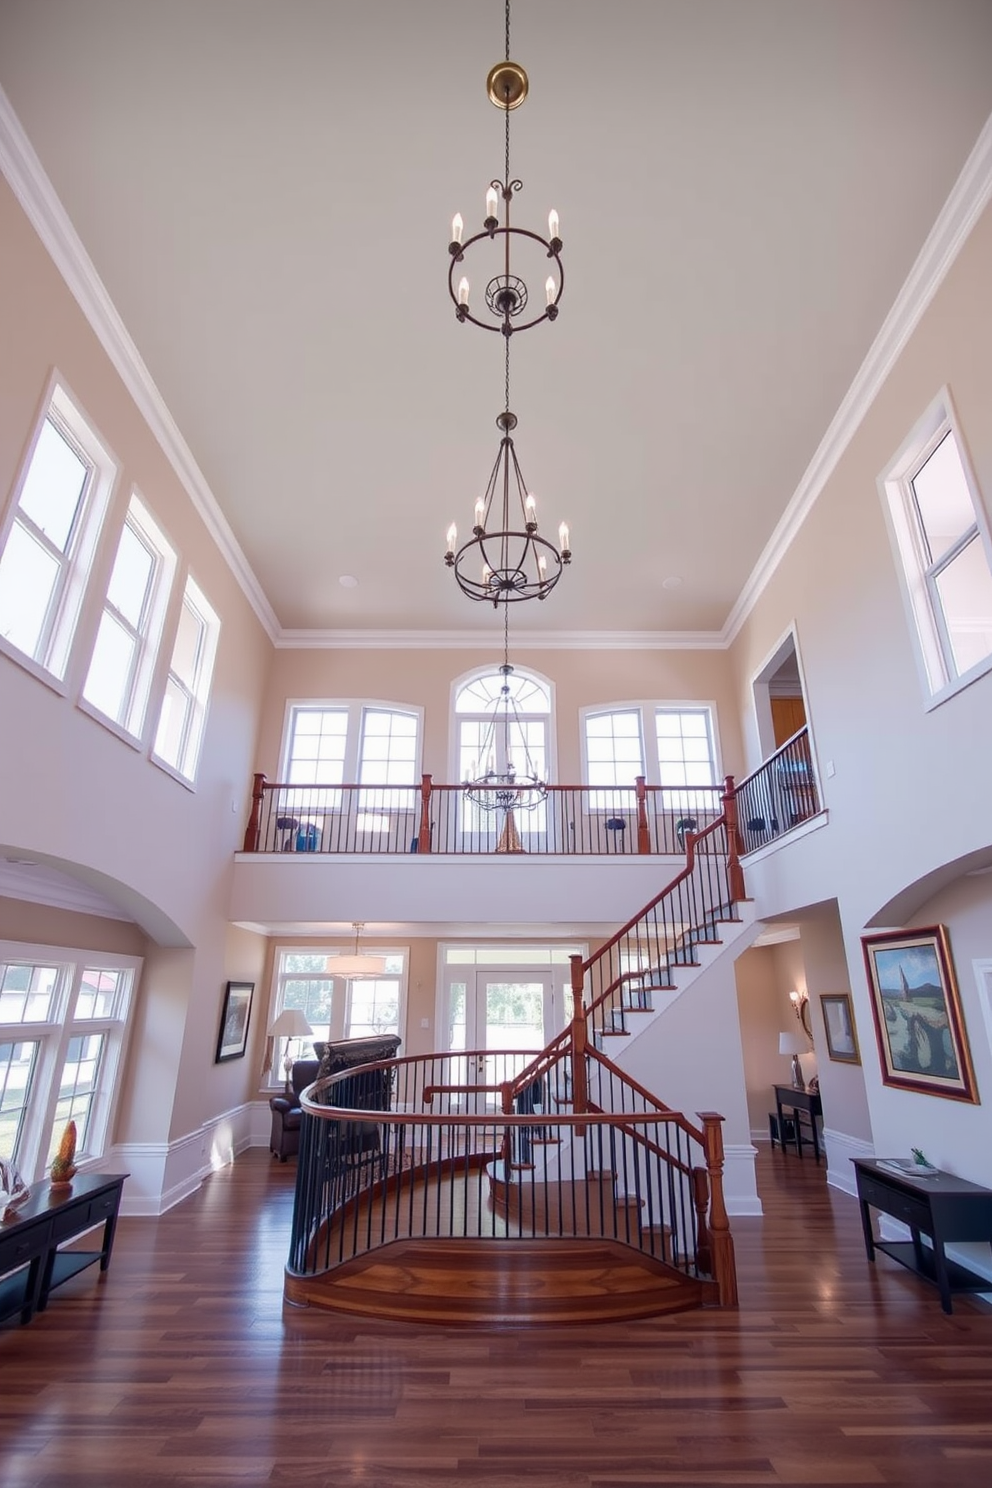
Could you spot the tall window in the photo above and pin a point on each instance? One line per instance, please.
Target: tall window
(523, 743)
(338, 1007)
(63, 1015)
(50, 535)
(942, 538)
(682, 751)
(120, 673)
(184, 708)
(371, 745)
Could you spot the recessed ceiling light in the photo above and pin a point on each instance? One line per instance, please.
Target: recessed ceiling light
(672, 582)
(348, 581)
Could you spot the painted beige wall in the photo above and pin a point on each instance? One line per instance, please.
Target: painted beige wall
(906, 795)
(842, 1086)
(96, 807)
(40, 924)
(425, 678)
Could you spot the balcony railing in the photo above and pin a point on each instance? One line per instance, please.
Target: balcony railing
(781, 794)
(429, 818)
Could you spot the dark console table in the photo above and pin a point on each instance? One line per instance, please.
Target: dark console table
(788, 1098)
(942, 1207)
(31, 1263)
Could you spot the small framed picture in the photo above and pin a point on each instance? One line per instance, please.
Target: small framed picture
(233, 1038)
(914, 998)
(838, 1022)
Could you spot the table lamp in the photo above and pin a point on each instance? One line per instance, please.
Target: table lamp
(794, 1044)
(291, 1025)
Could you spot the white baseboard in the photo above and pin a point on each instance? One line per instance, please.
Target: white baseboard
(740, 1188)
(840, 1149)
(162, 1174)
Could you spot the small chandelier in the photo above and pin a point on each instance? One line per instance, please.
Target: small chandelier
(506, 559)
(506, 294)
(355, 965)
(508, 789)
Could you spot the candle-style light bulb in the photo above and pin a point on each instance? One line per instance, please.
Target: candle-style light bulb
(457, 226)
(563, 536)
(530, 509)
(492, 202)
(452, 537)
(463, 291)
(552, 223)
(487, 573)
(480, 511)
(542, 567)
(550, 289)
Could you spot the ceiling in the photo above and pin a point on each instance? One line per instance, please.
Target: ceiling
(265, 191)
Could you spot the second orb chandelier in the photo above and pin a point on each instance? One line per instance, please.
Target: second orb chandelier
(506, 559)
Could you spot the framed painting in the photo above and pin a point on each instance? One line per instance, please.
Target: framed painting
(838, 1024)
(917, 1009)
(232, 1040)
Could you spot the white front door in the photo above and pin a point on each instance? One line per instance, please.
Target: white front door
(499, 1010)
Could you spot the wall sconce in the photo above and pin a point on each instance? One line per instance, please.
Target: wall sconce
(800, 1006)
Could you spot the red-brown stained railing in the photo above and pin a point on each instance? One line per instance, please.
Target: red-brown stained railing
(574, 820)
(413, 1162)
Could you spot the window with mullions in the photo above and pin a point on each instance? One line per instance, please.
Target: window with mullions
(485, 748)
(63, 1017)
(942, 538)
(338, 1007)
(50, 536)
(374, 746)
(187, 690)
(682, 754)
(120, 673)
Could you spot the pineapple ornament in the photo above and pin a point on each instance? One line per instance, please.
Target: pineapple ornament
(63, 1168)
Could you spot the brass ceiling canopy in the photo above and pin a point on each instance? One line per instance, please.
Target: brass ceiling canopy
(507, 84)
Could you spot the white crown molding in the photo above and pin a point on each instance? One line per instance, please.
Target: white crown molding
(34, 191)
(525, 640)
(968, 199)
(36, 883)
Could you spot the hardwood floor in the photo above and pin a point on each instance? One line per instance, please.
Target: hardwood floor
(181, 1367)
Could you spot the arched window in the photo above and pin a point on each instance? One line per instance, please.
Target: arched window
(521, 740)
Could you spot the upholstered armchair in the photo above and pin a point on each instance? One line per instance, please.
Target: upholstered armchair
(284, 1139)
(370, 1092)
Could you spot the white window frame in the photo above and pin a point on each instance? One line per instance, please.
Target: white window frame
(529, 824)
(340, 1002)
(938, 675)
(50, 659)
(146, 636)
(54, 1036)
(405, 801)
(197, 696)
(649, 738)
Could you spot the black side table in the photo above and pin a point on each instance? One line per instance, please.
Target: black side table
(788, 1098)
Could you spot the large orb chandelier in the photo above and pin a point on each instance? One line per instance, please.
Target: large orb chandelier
(506, 559)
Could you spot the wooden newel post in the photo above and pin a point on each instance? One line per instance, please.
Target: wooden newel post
(735, 872)
(424, 835)
(701, 1203)
(643, 831)
(255, 819)
(580, 1090)
(720, 1238)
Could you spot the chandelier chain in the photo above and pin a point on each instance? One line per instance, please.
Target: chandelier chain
(506, 375)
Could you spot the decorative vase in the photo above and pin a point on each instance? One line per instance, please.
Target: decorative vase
(63, 1168)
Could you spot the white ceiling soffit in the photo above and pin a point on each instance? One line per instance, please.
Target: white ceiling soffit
(744, 202)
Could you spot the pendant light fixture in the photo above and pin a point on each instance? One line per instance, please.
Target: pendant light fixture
(357, 966)
(506, 779)
(506, 559)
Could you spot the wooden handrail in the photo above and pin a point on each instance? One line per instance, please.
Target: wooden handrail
(691, 838)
